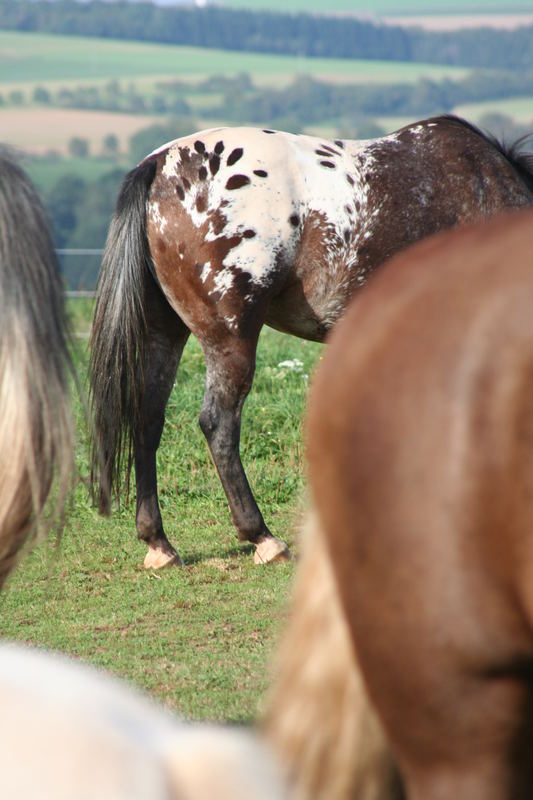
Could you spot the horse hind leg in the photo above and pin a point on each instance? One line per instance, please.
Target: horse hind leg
(229, 376)
(167, 336)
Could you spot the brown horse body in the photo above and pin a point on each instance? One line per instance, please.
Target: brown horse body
(421, 465)
(224, 231)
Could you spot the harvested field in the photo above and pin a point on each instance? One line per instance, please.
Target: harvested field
(39, 130)
(454, 22)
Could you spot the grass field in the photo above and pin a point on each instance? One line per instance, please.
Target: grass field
(199, 638)
(38, 59)
(381, 7)
(519, 108)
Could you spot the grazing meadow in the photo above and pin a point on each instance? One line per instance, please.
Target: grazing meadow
(198, 638)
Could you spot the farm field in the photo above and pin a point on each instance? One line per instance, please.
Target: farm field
(198, 638)
(519, 108)
(386, 7)
(40, 130)
(38, 59)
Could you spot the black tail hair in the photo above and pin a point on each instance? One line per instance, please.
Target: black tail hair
(117, 335)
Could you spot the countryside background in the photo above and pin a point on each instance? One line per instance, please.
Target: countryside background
(85, 93)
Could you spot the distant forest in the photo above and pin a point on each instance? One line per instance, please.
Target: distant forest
(267, 32)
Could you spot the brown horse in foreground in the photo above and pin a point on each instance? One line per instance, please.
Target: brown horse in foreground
(227, 230)
(421, 465)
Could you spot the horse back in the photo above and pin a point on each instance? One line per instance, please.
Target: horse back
(248, 225)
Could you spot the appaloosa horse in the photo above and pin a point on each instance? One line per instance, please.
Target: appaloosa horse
(223, 231)
(35, 424)
(420, 447)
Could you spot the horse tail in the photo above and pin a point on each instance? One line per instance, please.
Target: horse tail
(117, 335)
(36, 435)
(319, 720)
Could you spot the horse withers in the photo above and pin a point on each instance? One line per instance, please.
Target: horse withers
(229, 229)
(420, 447)
(35, 423)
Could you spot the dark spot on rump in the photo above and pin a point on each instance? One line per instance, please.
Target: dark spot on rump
(249, 233)
(199, 146)
(328, 164)
(237, 181)
(198, 268)
(261, 173)
(186, 183)
(161, 246)
(202, 173)
(347, 236)
(223, 203)
(181, 193)
(234, 156)
(294, 219)
(350, 180)
(339, 143)
(322, 153)
(330, 149)
(214, 164)
(181, 248)
(348, 209)
(267, 131)
(219, 148)
(357, 205)
(200, 204)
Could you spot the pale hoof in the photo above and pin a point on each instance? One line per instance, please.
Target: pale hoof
(270, 550)
(161, 554)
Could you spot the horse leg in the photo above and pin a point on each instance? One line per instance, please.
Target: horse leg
(229, 376)
(163, 348)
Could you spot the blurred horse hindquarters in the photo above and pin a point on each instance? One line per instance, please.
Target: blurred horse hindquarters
(420, 445)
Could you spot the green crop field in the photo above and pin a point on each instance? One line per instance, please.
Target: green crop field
(198, 638)
(40, 60)
(380, 7)
(519, 108)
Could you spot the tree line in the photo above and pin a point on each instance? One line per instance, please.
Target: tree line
(305, 101)
(267, 32)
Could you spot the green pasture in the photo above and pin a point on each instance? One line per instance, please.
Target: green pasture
(45, 172)
(519, 108)
(198, 638)
(38, 59)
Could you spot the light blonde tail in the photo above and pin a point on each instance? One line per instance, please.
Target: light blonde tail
(36, 436)
(319, 719)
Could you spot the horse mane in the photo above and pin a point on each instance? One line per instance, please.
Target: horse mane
(36, 437)
(513, 152)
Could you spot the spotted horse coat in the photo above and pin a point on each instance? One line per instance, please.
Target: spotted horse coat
(228, 229)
